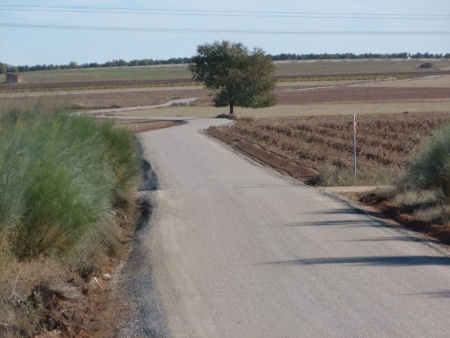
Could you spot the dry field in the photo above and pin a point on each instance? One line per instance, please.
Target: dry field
(307, 87)
(303, 146)
(321, 68)
(429, 94)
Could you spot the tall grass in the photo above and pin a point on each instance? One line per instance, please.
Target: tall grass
(59, 178)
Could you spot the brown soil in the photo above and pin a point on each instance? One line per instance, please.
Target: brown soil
(263, 155)
(360, 94)
(385, 142)
(392, 213)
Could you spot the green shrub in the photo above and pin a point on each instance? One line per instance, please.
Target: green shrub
(122, 155)
(430, 166)
(59, 177)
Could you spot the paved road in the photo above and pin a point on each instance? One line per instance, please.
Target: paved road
(239, 251)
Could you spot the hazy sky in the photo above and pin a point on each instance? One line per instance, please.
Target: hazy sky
(283, 26)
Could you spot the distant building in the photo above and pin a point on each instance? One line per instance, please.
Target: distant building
(13, 78)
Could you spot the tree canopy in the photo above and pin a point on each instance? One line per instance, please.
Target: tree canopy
(237, 76)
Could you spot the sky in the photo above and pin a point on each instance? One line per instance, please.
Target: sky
(58, 32)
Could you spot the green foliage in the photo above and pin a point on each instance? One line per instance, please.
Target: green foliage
(59, 176)
(430, 166)
(238, 77)
(3, 68)
(122, 155)
(73, 65)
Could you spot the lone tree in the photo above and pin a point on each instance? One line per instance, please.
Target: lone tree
(237, 76)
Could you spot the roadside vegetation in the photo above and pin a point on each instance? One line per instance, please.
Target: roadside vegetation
(424, 190)
(66, 206)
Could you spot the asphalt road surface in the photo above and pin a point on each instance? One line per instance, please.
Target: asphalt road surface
(240, 251)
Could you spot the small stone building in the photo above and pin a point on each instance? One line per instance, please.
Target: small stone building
(13, 78)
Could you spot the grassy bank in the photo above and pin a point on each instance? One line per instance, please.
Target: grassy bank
(65, 185)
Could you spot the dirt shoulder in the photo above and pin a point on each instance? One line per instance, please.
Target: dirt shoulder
(260, 153)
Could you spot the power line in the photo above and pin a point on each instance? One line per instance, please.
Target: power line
(263, 14)
(203, 30)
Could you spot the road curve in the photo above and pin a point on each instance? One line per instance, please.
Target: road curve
(240, 251)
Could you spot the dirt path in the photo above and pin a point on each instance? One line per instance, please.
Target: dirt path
(177, 102)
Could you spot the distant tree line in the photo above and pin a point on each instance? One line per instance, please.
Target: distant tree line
(280, 57)
(73, 65)
(344, 56)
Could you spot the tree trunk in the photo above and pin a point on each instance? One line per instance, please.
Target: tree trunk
(231, 108)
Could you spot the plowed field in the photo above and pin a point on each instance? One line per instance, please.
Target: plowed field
(303, 145)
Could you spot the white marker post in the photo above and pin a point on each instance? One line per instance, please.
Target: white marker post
(355, 125)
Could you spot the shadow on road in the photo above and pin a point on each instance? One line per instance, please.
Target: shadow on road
(388, 239)
(388, 261)
(435, 294)
(344, 223)
(343, 211)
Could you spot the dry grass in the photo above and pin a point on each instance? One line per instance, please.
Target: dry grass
(135, 127)
(34, 291)
(425, 205)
